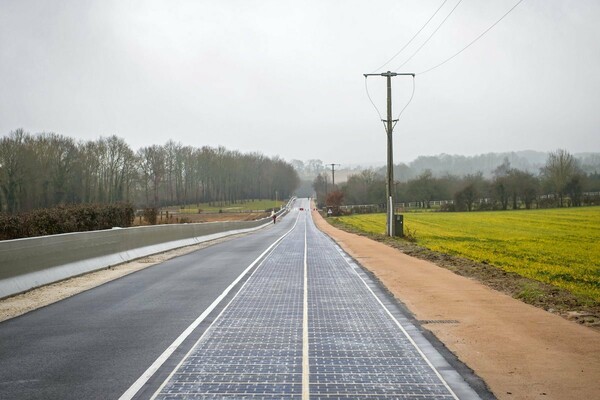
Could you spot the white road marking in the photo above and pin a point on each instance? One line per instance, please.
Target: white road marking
(305, 365)
(339, 249)
(145, 377)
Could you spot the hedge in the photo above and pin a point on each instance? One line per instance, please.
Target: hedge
(65, 219)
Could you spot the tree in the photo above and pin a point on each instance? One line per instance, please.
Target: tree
(48, 169)
(14, 168)
(574, 188)
(314, 167)
(334, 200)
(118, 168)
(320, 186)
(152, 169)
(465, 198)
(526, 187)
(423, 188)
(502, 184)
(364, 188)
(559, 170)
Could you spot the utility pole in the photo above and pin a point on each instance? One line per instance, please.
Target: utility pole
(389, 188)
(333, 174)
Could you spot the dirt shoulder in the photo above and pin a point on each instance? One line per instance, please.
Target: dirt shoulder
(522, 352)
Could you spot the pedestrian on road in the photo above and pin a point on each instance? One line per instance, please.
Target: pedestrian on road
(274, 218)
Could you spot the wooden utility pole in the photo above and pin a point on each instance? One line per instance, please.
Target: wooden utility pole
(389, 187)
(333, 175)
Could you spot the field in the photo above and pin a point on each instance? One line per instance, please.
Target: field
(254, 205)
(560, 247)
(242, 211)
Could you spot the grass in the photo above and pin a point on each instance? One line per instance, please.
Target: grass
(560, 247)
(237, 207)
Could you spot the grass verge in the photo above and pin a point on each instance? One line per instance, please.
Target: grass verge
(242, 206)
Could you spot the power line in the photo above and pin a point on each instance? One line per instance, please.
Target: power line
(430, 36)
(377, 110)
(411, 39)
(409, 101)
(389, 128)
(476, 39)
(371, 100)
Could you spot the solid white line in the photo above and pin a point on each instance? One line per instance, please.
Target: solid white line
(339, 249)
(143, 379)
(193, 348)
(305, 365)
(410, 339)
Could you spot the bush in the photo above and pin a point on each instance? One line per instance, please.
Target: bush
(447, 207)
(151, 215)
(486, 207)
(65, 219)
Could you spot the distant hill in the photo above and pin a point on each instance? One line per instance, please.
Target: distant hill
(444, 164)
(459, 165)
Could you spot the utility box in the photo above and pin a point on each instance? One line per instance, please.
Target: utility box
(399, 225)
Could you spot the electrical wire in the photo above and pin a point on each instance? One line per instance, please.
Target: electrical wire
(430, 36)
(401, 111)
(411, 39)
(409, 101)
(476, 39)
(371, 100)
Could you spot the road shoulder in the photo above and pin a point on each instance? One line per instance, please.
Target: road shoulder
(14, 306)
(519, 350)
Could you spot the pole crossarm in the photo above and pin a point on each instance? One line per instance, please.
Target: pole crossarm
(392, 74)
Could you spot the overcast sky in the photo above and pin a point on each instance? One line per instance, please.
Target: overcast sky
(285, 77)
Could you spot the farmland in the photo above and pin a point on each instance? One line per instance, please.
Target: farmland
(241, 206)
(560, 247)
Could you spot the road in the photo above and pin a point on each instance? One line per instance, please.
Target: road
(281, 313)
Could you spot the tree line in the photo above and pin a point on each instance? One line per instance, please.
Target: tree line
(560, 182)
(48, 169)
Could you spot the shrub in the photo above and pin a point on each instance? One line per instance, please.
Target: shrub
(447, 207)
(151, 215)
(65, 219)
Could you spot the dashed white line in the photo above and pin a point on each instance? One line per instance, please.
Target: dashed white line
(305, 364)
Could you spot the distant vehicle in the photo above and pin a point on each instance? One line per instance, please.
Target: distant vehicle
(301, 208)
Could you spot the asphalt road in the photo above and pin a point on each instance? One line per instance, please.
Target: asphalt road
(311, 324)
(304, 322)
(96, 344)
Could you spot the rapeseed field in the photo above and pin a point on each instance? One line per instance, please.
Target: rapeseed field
(556, 246)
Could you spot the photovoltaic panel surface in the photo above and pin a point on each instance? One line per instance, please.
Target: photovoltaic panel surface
(356, 348)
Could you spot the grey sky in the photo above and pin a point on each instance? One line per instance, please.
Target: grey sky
(285, 77)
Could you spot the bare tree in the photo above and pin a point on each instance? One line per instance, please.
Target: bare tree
(152, 169)
(13, 168)
(320, 186)
(560, 168)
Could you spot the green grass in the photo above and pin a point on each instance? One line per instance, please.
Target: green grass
(241, 206)
(560, 247)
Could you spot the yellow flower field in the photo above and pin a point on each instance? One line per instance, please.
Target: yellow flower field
(557, 246)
